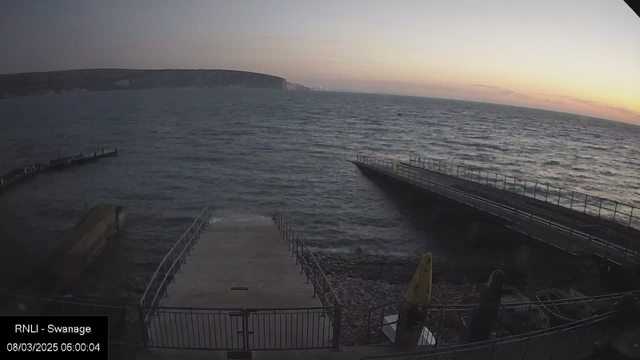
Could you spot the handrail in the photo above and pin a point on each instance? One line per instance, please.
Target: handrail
(435, 313)
(459, 348)
(294, 243)
(492, 179)
(308, 262)
(181, 246)
(518, 304)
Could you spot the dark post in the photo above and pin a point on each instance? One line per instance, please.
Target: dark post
(585, 203)
(245, 329)
(337, 319)
(143, 329)
(615, 211)
(546, 196)
(572, 193)
(559, 193)
(600, 208)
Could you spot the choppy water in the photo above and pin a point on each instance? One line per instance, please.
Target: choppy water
(251, 151)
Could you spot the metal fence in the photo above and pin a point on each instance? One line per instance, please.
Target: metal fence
(170, 264)
(448, 325)
(567, 342)
(242, 329)
(606, 209)
(557, 231)
(308, 263)
(314, 273)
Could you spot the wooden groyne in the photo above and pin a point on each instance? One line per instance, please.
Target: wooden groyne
(24, 172)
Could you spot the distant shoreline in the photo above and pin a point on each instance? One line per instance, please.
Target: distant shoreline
(85, 80)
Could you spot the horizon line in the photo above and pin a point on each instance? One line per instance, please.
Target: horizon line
(333, 90)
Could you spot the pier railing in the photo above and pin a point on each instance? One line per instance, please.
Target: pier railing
(314, 273)
(610, 210)
(562, 233)
(170, 264)
(448, 324)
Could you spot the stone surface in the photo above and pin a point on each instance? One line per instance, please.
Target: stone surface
(366, 283)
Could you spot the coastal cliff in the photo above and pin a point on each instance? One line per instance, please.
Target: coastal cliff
(57, 82)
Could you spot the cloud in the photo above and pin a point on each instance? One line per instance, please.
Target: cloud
(502, 91)
(294, 38)
(602, 106)
(557, 102)
(514, 93)
(582, 101)
(485, 86)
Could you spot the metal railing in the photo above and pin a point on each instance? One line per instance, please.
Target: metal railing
(449, 324)
(605, 209)
(566, 342)
(170, 264)
(314, 273)
(565, 234)
(241, 329)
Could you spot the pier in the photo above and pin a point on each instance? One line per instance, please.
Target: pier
(577, 223)
(29, 170)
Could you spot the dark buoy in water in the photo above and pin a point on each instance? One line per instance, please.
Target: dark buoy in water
(399, 114)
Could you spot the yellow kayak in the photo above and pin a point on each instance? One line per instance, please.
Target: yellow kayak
(412, 314)
(419, 292)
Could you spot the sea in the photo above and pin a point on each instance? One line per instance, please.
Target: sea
(259, 151)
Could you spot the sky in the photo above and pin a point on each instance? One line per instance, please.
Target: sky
(579, 56)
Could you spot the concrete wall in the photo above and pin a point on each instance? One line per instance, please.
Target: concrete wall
(78, 249)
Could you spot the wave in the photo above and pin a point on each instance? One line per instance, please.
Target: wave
(551, 162)
(595, 147)
(577, 156)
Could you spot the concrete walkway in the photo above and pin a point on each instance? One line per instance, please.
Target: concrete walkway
(240, 263)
